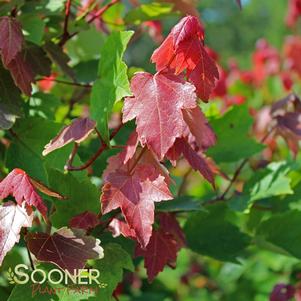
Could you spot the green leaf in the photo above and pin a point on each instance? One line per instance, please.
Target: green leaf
(38, 60)
(60, 58)
(25, 151)
(182, 203)
(55, 5)
(81, 196)
(211, 234)
(44, 105)
(271, 181)
(283, 231)
(10, 100)
(111, 269)
(113, 83)
(33, 28)
(232, 131)
(148, 12)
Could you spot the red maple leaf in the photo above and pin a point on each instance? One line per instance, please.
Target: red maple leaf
(134, 188)
(163, 246)
(199, 128)
(11, 39)
(77, 131)
(12, 218)
(86, 220)
(67, 248)
(22, 73)
(183, 49)
(196, 159)
(157, 106)
(161, 250)
(294, 12)
(18, 184)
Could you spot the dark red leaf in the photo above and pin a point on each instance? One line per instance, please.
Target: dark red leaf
(18, 184)
(183, 49)
(11, 39)
(161, 250)
(199, 128)
(282, 292)
(196, 159)
(77, 131)
(134, 188)
(22, 73)
(67, 248)
(86, 220)
(12, 218)
(157, 106)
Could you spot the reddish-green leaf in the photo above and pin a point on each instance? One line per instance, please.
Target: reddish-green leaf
(77, 132)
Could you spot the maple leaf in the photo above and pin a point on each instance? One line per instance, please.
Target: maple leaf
(12, 218)
(134, 188)
(18, 184)
(11, 39)
(169, 224)
(77, 131)
(21, 73)
(67, 248)
(196, 159)
(157, 106)
(183, 49)
(86, 220)
(161, 250)
(282, 292)
(163, 246)
(294, 12)
(130, 148)
(204, 75)
(199, 127)
(118, 227)
(286, 113)
(292, 48)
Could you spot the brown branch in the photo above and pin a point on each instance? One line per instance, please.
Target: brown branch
(102, 10)
(101, 149)
(89, 86)
(98, 14)
(184, 182)
(65, 35)
(241, 166)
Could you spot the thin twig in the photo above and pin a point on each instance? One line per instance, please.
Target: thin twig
(101, 149)
(97, 15)
(184, 181)
(66, 34)
(89, 86)
(241, 166)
